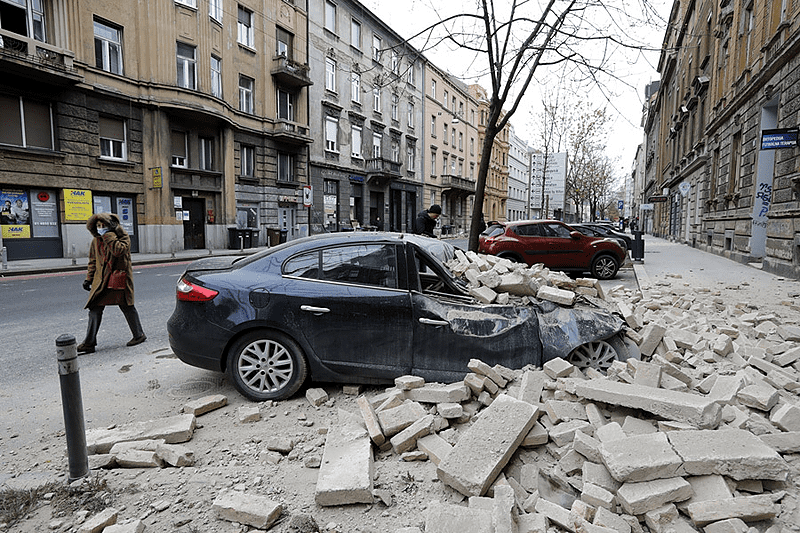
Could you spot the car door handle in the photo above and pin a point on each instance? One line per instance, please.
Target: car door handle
(431, 322)
(315, 310)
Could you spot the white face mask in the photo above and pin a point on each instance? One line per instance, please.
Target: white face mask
(102, 231)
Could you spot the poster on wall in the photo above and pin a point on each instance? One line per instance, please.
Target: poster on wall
(77, 205)
(125, 214)
(14, 214)
(44, 214)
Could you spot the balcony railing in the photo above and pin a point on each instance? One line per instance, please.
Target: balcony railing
(291, 132)
(22, 53)
(381, 166)
(458, 183)
(290, 73)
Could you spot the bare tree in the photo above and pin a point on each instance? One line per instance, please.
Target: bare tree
(515, 39)
(590, 173)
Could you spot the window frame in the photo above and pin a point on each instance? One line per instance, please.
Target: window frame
(187, 66)
(395, 107)
(106, 44)
(411, 113)
(377, 51)
(187, 3)
(175, 158)
(355, 150)
(216, 76)
(247, 155)
(285, 167)
(245, 32)
(215, 10)
(331, 134)
(330, 74)
(330, 16)
(355, 87)
(206, 152)
(289, 98)
(377, 145)
(376, 98)
(246, 95)
(355, 33)
(111, 142)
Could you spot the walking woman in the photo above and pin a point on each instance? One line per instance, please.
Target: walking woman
(109, 279)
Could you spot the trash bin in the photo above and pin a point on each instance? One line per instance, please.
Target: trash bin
(240, 238)
(283, 235)
(637, 247)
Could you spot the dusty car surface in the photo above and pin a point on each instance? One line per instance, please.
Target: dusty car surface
(365, 308)
(598, 230)
(554, 244)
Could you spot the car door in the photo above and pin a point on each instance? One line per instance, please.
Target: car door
(350, 309)
(535, 246)
(564, 250)
(449, 330)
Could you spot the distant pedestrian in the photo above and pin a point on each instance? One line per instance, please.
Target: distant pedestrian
(426, 220)
(109, 253)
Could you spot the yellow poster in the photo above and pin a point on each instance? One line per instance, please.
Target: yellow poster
(77, 204)
(16, 231)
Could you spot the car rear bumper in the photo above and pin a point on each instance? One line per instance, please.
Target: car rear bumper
(195, 346)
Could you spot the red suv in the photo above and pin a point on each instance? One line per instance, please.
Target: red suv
(554, 244)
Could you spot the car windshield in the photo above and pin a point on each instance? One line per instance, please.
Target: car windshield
(493, 231)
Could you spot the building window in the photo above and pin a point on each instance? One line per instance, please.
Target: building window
(453, 138)
(206, 153)
(355, 87)
(446, 97)
(244, 27)
(377, 140)
(285, 105)
(355, 141)
(377, 48)
(330, 16)
(331, 129)
(472, 146)
(444, 164)
(433, 126)
(284, 43)
(433, 89)
(112, 138)
(452, 165)
(395, 105)
(395, 151)
(376, 98)
(108, 48)
(187, 67)
(433, 163)
(355, 33)
(410, 74)
(25, 123)
(215, 10)
(411, 156)
(733, 171)
(248, 154)
(461, 141)
(330, 75)
(454, 105)
(285, 167)
(444, 133)
(395, 62)
(179, 149)
(245, 94)
(411, 114)
(472, 171)
(216, 77)
(460, 168)
(190, 3)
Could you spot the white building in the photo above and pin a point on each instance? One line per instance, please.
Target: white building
(518, 177)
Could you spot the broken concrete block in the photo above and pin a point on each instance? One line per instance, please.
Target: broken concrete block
(641, 458)
(486, 447)
(636, 426)
(734, 453)
(396, 419)
(416, 455)
(758, 396)
(597, 496)
(599, 475)
(640, 498)
(451, 518)
(371, 421)
(555, 295)
(283, 445)
(787, 417)
(651, 337)
(536, 436)
(666, 519)
(683, 338)
(731, 525)
(564, 433)
(479, 367)
(98, 522)
(173, 430)
(531, 523)
(407, 439)
(316, 396)
(587, 446)
(435, 447)
(130, 458)
(788, 357)
(531, 386)
(647, 374)
(559, 410)
(474, 382)
(567, 519)
(248, 414)
(135, 526)
(609, 432)
(629, 316)
(439, 393)
(571, 462)
(483, 294)
(722, 346)
(345, 475)
(705, 488)
(175, 455)
(672, 405)
(250, 509)
(558, 368)
(747, 508)
(725, 389)
(205, 404)
(502, 517)
(788, 442)
(450, 410)
(406, 383)
(605, 518)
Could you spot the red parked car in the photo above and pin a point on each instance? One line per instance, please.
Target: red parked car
(555, 244)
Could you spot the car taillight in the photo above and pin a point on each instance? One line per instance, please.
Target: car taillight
(189, 292)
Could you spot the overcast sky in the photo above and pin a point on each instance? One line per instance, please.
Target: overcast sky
(624, 101)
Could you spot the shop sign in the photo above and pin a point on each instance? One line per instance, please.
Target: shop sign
(780, 138)
(658, 199)
(157, 178)
(77, 205)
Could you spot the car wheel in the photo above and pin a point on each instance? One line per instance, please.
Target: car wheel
(604, 267)
(600, 355)
(267, 365)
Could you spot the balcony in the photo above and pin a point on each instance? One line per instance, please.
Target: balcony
(290, 73)
(36, 60)
(292, 133)
(380, 171)
(456, 185)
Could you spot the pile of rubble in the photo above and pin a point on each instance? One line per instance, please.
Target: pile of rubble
(698, 435)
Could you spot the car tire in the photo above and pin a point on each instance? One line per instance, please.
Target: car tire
(605, 267)
(600, 355)
(266, 365)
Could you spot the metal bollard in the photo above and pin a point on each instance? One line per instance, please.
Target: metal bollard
(4, 257)
(74, 256)
(72, 404)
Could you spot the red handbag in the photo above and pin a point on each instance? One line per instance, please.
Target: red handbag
(118, 280)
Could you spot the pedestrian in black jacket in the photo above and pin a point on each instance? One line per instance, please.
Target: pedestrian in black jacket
(426, 220)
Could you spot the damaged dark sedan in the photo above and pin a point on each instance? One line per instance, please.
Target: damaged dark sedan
(365, 308)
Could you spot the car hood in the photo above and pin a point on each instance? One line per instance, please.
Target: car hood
(562, 329)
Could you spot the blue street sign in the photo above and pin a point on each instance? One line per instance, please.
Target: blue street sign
(782, 138)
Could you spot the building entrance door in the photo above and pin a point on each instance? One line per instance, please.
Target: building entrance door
(194, 229)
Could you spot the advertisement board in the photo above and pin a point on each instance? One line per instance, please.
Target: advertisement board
(77, 205)
(14, 214)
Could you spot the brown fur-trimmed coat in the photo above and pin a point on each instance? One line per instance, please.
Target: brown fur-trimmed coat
(110, 252)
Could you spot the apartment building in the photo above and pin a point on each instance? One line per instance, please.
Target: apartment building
(519, 167)
(496, 191)
(451, 166)
(729, 74)
(184, 117)
(366, 166)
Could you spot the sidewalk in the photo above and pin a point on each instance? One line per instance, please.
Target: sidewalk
(26, 267)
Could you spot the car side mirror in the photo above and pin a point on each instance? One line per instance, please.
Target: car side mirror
(576, 235)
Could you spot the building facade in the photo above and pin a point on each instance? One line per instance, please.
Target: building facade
(187, 118)
(366, 165)
(729, 73)
(519, 167)
(496, 190)
(451, 165)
